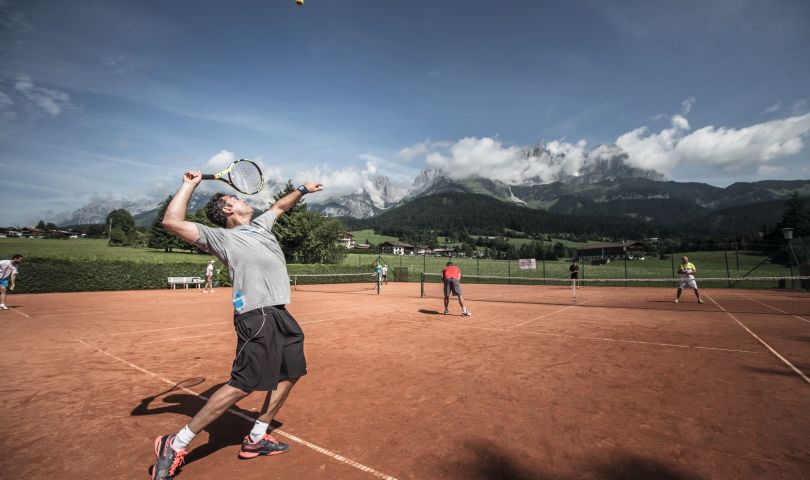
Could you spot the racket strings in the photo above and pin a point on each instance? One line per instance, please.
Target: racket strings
(246, 177)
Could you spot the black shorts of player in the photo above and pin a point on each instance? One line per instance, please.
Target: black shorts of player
(269, 349)
(452, 285)
(574, 276)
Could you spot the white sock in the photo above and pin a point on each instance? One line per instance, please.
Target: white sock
(183, 438)
(258, 431)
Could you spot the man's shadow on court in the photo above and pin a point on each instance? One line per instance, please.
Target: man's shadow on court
(224, 431)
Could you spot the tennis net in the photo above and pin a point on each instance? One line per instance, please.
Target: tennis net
(773, 295)
(336, 283)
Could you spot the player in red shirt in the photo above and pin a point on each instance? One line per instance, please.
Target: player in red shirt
(451, 276)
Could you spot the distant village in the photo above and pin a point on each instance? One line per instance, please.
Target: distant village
(33, 232)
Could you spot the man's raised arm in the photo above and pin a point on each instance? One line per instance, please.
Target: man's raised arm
(288, 201)
(175, 217)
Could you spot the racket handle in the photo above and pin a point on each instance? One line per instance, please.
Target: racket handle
(208, 176)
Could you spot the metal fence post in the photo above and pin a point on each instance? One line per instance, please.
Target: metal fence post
(728, 273)
(672, 261)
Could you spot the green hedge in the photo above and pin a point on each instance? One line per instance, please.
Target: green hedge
(46, 275)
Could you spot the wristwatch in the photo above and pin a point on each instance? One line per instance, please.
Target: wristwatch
(302, 189)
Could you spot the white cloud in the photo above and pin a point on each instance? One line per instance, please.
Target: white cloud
(756, 148)
(773, 108)
(414, 151)
(725, 148)
(219, 162)
(490, 158)
(49, 100)
(771, 171)
(800, 106)
(351, 180)
(686, 105)
(345, 181)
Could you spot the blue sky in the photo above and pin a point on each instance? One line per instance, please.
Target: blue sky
(116, 98)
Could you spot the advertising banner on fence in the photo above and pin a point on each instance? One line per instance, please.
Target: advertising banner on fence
(527, 264)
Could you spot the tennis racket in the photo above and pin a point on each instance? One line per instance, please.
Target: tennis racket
(243, 175)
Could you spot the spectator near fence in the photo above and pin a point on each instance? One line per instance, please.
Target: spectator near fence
(209, 277)
(8, 277)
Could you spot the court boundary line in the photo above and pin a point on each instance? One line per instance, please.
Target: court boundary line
(763, 342)
(14, 309)
(510, 329)
(230, 331)
(777, 309)
(229, 322)
(319, 449)
(156, 330)
(562, 335)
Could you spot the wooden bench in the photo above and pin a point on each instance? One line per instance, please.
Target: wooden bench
(185, 281)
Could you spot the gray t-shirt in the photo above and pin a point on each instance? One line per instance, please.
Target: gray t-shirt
(255, 261)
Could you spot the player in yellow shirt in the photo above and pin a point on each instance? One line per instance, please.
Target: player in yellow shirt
(687, 271)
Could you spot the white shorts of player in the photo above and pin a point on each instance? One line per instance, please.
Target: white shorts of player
(688, 283)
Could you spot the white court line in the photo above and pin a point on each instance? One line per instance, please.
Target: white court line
(21, 313)
(766, 305)
(185, 338)
(180, 339)
(561, 335)
(301, 441)
(365, 307)
(772, 350)
(158, 329)
(541, 316)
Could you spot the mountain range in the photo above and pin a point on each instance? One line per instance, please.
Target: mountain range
(605, 185)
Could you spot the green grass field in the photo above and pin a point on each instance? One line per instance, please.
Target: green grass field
(360, 236)
(91, 249)
(518, 242)
(709, 265)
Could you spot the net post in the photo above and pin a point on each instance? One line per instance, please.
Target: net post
(378, 284)
(544, 268)
(672, 262)
(422, 285)
(573, 291)
(625, 268)
(728, 274)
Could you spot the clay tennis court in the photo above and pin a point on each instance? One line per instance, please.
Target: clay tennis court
(520, 390)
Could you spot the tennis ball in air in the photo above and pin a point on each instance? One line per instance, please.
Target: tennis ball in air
(299, 2)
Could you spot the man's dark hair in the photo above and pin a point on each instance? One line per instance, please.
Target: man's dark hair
(213, 210)
(449, 263)
(16, 257)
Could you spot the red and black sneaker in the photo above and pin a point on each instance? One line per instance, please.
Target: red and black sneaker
(267, 445)
(167, 460)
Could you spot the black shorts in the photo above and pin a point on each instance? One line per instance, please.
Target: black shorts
(574, 276)
(269, 349)
(452, 285)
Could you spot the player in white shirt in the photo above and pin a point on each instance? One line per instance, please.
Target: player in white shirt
(8, 277)
(209, 277)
